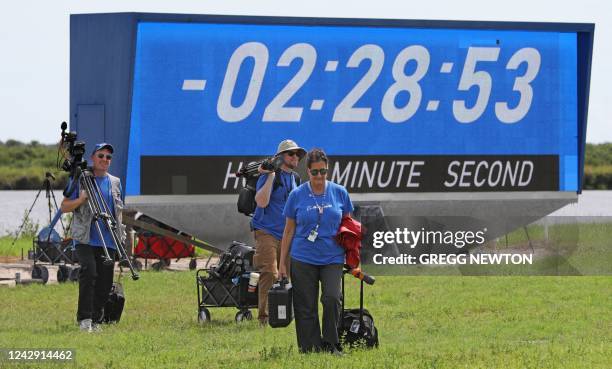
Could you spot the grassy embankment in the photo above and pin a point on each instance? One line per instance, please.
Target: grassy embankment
(424, 321)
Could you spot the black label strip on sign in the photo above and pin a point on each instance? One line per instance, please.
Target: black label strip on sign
(161, 175)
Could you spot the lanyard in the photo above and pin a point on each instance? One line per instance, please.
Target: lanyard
(319, 207)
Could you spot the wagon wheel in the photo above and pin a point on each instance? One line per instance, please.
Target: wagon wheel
(40, 272)
(36, 271)
(244, 315)
(63, 273)
(137, 264)
(74, 274)
(203, 315)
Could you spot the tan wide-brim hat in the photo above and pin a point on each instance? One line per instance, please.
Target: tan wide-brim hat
(289, 145)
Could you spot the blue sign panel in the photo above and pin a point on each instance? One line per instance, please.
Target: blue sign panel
(236, 90)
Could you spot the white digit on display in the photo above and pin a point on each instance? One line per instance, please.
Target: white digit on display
(403, 82)
(276, 111)
(225, 109)
(346, 110)
(469, 78)
(532, 57)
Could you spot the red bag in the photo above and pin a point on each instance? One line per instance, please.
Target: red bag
(161, 247)
(349, 237)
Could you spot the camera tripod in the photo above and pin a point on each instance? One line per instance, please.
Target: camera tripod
(102, 216)
(50, 196)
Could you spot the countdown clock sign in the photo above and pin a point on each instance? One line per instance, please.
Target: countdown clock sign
(305, 54)
(398, 109)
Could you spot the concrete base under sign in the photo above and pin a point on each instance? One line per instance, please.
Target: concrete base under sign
(214, 218)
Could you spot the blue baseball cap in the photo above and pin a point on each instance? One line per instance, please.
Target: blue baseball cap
(101, 146)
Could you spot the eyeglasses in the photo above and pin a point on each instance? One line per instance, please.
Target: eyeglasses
(291, 153)
(108, 156)
(315, 172)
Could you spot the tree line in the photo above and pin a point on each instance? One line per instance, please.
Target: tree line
(23, 166)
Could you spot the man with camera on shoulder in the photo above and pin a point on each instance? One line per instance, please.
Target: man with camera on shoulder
(96, 276)
(272, 191)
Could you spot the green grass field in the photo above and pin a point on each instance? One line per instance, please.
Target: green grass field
(424, 322)
(7, 248)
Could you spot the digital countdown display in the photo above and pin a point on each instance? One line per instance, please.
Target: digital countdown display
(397, 109)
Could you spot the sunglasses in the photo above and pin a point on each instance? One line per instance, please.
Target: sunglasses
(315, 172)
(291, 153)
(108, 156)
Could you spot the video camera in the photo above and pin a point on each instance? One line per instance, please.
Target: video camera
(252, 170)
(73, 152)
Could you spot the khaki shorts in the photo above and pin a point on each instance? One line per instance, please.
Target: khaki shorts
(267, 252)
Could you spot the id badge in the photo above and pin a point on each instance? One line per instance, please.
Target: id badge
(313, 235)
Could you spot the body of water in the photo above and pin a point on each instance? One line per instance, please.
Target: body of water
(13, 204)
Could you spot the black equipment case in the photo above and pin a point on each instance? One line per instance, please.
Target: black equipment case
(356, 326)
(114, 305)
(246, 197)
(280, 304)
(237, 260)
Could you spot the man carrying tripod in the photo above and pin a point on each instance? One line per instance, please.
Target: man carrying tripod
(96, 277)
(273, 188)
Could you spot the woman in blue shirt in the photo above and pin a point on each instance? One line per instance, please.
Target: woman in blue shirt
(313, 214)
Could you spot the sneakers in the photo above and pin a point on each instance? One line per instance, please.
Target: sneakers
(95, 327)
(87, 325)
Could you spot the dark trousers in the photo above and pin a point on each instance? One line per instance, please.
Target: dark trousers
(305, 279)
(95, 281)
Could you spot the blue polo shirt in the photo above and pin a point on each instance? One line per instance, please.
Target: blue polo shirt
(270, 219)
(303, 206)
(104, 184)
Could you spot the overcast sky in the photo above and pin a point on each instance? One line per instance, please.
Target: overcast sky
(34, 40)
